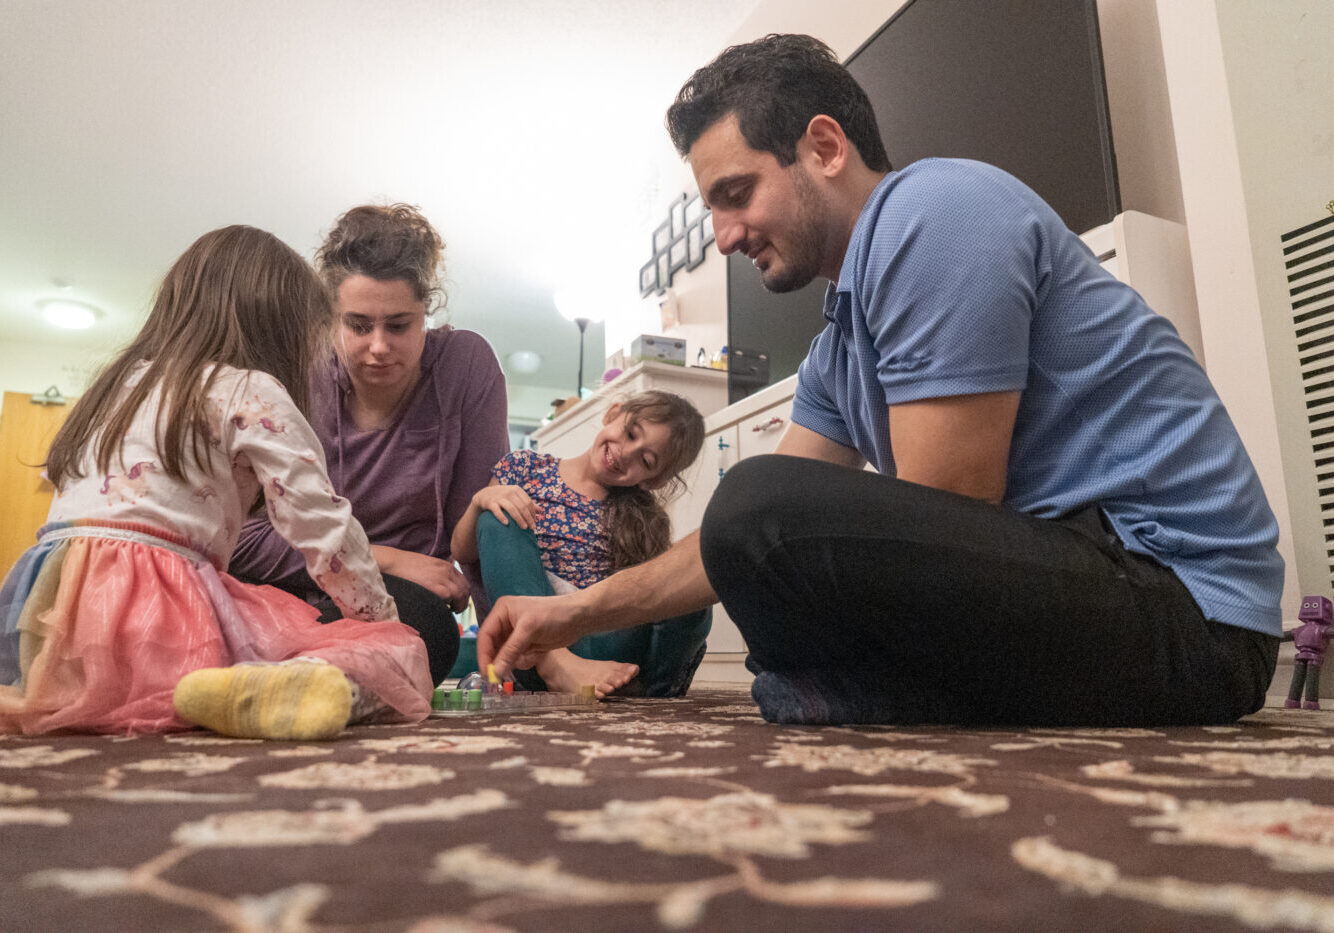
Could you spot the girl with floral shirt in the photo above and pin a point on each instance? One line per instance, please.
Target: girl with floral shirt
(121, 618)
(578, 519)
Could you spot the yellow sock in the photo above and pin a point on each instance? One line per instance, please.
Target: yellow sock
(297, 700)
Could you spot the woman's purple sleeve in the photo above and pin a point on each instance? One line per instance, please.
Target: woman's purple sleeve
(264, 556)
(484, 441)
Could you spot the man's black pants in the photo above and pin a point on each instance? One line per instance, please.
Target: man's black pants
(906, 604)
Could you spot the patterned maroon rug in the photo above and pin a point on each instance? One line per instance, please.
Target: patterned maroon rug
(675, 815)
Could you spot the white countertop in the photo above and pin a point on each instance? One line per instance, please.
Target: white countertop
(703, 375)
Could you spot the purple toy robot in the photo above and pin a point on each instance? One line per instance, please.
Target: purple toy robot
(1311, 639)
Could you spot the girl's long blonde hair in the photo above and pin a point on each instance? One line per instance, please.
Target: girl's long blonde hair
(238, 296)
(634, 518)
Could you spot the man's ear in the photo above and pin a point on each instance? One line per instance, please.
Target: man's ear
(826, 144)
(612, 412)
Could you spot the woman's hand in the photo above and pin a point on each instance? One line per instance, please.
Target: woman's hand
(502, 501)
(441, 577)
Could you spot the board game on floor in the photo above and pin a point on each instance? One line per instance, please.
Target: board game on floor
(475, 696)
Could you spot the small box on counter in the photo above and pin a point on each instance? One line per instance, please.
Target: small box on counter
(658, 349)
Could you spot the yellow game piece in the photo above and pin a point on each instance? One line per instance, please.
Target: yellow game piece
(588, 690)
(491, 677)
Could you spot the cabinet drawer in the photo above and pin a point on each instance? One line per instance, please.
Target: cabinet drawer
(761, 432)
(717, 455)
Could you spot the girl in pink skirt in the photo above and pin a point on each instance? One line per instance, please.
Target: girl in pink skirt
(121, 618)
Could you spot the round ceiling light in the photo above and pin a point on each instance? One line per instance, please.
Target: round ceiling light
(70, 315)
(524, 361)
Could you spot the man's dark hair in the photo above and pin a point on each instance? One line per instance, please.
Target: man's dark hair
(775, 85)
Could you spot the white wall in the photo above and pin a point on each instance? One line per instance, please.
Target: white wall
(1250, 88)
(1280, 76)
(530, 404)
(34, 367)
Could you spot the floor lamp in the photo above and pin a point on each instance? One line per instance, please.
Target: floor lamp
(583, 326)
(582, 312)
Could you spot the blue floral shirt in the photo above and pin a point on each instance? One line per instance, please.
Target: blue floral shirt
(569, 528)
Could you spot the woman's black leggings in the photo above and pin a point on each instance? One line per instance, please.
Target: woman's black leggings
(424, 611)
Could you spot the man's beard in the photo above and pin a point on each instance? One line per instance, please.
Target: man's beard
(804, 255)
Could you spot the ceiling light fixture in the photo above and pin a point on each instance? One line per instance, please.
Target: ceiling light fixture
(523, 361)
(70, 315)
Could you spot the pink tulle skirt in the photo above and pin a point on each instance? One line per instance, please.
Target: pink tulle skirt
(95, 633)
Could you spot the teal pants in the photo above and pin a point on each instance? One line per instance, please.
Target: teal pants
(667, 652)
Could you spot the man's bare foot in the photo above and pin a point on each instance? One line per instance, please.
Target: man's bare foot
(565, 672)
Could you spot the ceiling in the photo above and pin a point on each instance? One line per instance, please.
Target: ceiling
(528, 131)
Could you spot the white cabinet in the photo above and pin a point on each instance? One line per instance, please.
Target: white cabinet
(747, 428)
(760, 432)
(718, 453)
(1152, 256)
(752, 426)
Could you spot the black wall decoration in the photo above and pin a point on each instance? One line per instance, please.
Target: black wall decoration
(679, 244)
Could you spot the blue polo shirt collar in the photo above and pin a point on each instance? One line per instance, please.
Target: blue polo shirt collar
(838, 297)
(838, 307)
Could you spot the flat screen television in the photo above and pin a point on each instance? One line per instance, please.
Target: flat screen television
(1016, 83)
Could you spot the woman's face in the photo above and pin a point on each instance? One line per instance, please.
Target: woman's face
(381, 333)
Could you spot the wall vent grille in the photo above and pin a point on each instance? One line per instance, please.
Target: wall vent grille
(1308, 258)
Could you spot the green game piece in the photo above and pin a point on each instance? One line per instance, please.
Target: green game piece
(438, 698)
(455, 700)
(474, 699)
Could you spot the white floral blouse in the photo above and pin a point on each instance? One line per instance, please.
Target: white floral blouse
(257, 438)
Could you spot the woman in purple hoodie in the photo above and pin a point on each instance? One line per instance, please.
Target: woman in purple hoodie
(411, 419)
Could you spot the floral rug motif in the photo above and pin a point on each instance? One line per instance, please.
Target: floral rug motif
(688, 814)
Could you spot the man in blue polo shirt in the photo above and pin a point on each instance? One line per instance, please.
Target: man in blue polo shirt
(1065, 527)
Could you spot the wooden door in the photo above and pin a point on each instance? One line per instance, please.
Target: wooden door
(26, 431)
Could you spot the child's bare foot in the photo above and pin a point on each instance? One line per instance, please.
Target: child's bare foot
(565, 672)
